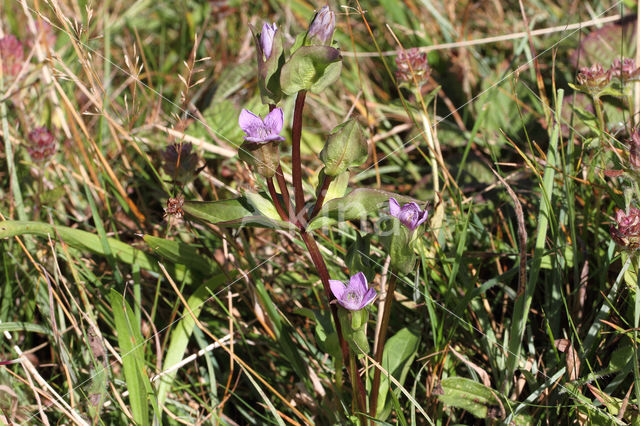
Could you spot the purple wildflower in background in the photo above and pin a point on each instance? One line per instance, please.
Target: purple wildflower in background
(42, 145)
(595, 77)
(410, 63)
(625, 69)
(354, 296)
(626, 230)
(259, 130)
(409, 215)
(323, 25)
(266, 38)
(11, 55)
(634, 149)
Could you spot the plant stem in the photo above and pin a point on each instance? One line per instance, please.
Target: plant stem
(276, 200)
(282, 184)
(296, 165)
(599, 113)
(326, 181)
(388, 299)
(318, 261)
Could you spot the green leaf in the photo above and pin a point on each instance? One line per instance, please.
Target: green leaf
(358, 204)
(233, 213)
(337, 187)
(130, 341)
(397, 357)
(179, 252)
(23, 326)
(86, 241)
(468, 395)
(263, 205)
(346, 147)
(184, 329)
(311, 68)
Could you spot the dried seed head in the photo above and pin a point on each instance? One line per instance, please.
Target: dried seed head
(174, 207)
(11, 55)
(42, 145)
(412, 63)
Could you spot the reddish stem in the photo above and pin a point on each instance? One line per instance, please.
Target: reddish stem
(296, 164)
(318, 261)
(276, 200)
(326, 181)
(284, 190)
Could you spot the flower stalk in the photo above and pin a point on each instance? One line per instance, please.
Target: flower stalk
(382, 337)
(296, 163)
(322, 193)
(276, 201)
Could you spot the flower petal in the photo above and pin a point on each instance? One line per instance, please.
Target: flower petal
(368, 298)
(250, 123)
(394, 207)
(423, 218)
(273, 122)
(337, 288)
(358, 284)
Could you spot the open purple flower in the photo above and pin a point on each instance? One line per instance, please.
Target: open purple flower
(354, 296)
(626, 231)
(409, 215)
(266, 38)
(12, 55)
(259, 130)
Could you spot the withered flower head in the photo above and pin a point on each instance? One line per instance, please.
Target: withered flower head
(412, 63)
(174, 207)
(179, 162)
(42, 145)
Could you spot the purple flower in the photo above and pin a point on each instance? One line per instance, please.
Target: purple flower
(412, 63)
(266, 38)
(323, 25)
(259, 130)
(12, 55)
(594, 78)
(625, 69)
(42, 145)
(409, 215)
(626, 231)
(354, 296)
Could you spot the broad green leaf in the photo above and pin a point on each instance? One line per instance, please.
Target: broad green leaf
(337, 187)
(263, 205)
(358, 204)
(184, 329)
(232, 213)
(470, 396)
(346, 147)
(23, 326)
(179, 252)
(311, 68)
(86, 241)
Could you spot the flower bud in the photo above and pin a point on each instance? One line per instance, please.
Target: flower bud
(626, 231)
(42, 145)
(322, 26)
(412, 63)
(398, 242)
(11, 55)
(345, 147)
(266, 38)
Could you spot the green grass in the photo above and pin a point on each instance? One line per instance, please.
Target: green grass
(129, 315)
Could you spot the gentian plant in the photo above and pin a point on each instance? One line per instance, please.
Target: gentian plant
(310, 65)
